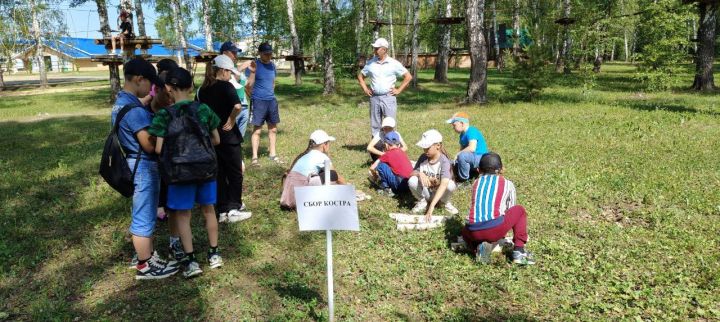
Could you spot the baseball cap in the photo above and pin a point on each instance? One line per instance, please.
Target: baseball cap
(179, 77)
(224, 62)
(459, 117)
(265, 48)
(141, 67)
(389, 122)
(320, 137)
(381, 42)
(392, 137)
(429, 138)
(229, 46)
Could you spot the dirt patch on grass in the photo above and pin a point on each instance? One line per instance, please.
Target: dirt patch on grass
(623, 214)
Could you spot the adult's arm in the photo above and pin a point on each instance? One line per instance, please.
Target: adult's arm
(361, 80)
(407, 77)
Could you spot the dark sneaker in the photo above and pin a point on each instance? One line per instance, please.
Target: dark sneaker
(192, 269)
(155, 268)
(522, 258)
(176, 251)
(484, 252)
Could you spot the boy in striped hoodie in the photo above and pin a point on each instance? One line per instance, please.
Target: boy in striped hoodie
(494, 212)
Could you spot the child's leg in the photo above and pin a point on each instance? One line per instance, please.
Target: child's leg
(122, 42)
(517, 219)
(183, 226)
(464, 162)
(112, 42)
(211, 224)
(448, 192)
(417, 189)
(144, 206)
(387, 177)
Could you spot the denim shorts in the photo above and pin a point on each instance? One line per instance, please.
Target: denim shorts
(265, 111)
(185, 196)
(145, 198)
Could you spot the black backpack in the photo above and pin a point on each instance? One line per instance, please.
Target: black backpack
(187, 154)
(113, 165)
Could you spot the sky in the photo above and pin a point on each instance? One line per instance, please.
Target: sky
(83, 20)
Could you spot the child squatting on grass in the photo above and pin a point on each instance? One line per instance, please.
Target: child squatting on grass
(308, 168)
(432, 179)
(393, 169)
(182, 197)
(140, 148)
(472, 146)
(494, 212)
(376, 147)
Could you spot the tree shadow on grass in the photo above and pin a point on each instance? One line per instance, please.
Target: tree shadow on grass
(663, 106)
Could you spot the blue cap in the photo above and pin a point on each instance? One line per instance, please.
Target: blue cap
(392, 137)
(229, 46)
(265, 48)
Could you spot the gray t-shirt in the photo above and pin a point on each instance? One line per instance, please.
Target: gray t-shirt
(438, 170)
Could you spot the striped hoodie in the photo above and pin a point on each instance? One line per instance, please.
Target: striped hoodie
(492, 195)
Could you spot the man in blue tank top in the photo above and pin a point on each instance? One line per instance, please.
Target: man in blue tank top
(261, 83)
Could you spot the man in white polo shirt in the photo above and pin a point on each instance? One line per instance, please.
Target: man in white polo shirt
(383, 72)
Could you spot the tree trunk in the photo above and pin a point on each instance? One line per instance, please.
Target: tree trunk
(392, 33)
(206, 25)
(379, 14)
(705, 55)
(254, 12)
(562, 64)
(298, 64)
(516, 28)
(416, 26)
(180, 32)
(477, 85)
(441, 65)
(499, 64)
(329, 79)
(359, 50)
(37, 37)
(140, 18)
(627, 47)
(105, 29)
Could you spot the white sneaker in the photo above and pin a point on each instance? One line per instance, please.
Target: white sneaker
(450, 208)
(223, 217)
(236, 215)
(242, 207)
(420, 206)
(215, 261)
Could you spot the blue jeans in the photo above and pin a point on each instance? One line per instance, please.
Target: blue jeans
(145, 198)
(389, 179)
(242, 120)
(465, 162)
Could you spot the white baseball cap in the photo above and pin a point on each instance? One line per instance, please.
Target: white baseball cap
(381, 42)
(224, 62)
(429, 138)
(388, 121)
(320, 137)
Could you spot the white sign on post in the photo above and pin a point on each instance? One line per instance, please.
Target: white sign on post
(330, 207)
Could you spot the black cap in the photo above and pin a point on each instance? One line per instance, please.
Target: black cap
(265, 48)
(141, 67)
(229, 46)
(165, 65)
(179, 77)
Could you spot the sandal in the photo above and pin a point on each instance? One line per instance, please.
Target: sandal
(255, 162)
(276, 159)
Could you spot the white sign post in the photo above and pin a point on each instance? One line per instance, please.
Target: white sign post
(328, 208)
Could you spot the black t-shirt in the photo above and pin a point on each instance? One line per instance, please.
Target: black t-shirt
(222, 98)
(126, 26)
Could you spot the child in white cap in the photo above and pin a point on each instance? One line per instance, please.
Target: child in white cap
(376, 147)
(431, 182)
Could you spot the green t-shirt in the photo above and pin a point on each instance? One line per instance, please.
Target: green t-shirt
(206, 116)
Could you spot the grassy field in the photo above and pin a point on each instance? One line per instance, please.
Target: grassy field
(621, 188)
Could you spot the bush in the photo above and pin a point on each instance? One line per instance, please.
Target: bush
(530, 74)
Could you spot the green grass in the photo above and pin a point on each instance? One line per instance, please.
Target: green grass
(621, 188)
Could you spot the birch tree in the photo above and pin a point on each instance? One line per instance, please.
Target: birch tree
(180, 32)
(329, 78)
(298, 63)
(206, 25)
(414, 46)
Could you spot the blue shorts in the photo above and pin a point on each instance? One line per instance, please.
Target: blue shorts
(145, 197)
(185, 196)
(265, 111)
